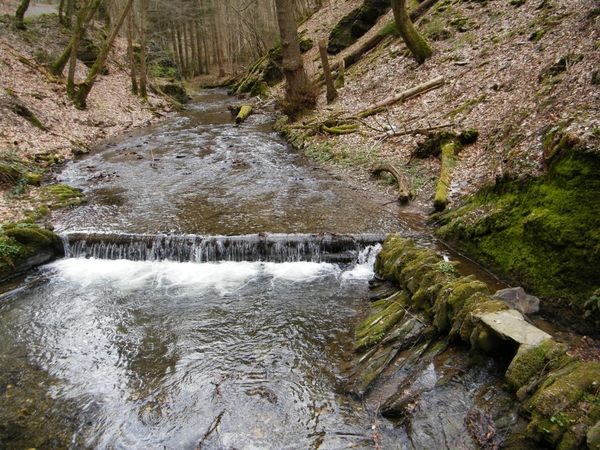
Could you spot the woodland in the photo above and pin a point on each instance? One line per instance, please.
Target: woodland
(482, 116)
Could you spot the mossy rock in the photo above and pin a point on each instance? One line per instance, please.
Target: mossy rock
(355, 24)
(25, 245)
(62, 196)
(432, 281)
(395, 253)
(160, 63)
(451, 299)
(565, 407)
(176, 91)
(535, 362)
(374, 328)
(88, 52)
(463, 325)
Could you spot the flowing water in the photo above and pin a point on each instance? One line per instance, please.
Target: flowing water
(127, 344)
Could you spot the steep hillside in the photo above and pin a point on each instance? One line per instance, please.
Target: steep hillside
(61, 130)
(525, 76)
(513, 70)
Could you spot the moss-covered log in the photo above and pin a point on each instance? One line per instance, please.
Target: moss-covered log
(449, 150)
(245, 111)
(340, 129)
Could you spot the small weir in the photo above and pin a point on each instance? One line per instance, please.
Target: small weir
(325, 247)
(174, 322)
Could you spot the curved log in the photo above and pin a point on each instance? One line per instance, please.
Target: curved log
(404, 194)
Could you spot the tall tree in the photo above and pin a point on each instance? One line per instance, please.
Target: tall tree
(143, 50)
(293, 67)
(20, 14)
(130, 55)
(85, 87)
(414, 41)
(85, 15)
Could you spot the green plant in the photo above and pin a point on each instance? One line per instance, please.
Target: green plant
(8, 250)
(447, 267)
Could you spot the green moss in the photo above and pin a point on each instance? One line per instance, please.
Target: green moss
(534, 362)
(543, 233)
(452, 298)
(23, 245)
(61, 196)
(373, 329)
(559, 404)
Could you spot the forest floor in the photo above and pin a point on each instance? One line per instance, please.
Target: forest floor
(513, 71)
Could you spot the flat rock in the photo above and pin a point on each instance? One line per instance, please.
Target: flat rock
(510, 325)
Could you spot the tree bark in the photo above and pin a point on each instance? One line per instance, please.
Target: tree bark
(404, 95)
(86, 86)
(83, 19)
(143, 50)
(293, 67)
(414, 41)
(20, 14)
(331, 92)
(132, 72)
(404, 194)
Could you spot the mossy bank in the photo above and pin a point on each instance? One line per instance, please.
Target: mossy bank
(25, 245)
(542, 233)
(433, 336)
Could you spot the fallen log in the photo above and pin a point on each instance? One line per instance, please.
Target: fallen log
(244, 112)
(449, 150)
(405, 95)
(404, 193)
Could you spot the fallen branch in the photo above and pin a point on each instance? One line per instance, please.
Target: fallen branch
(404, 194)
(405, 95)
(51, 78)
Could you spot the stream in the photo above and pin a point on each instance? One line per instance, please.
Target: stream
(128, 345)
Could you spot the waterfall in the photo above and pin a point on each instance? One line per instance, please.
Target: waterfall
(323, 247)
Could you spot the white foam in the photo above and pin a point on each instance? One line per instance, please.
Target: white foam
(131, 275)
(300, 271)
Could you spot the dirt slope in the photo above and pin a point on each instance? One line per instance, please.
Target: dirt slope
(513, 70)
(111, 107)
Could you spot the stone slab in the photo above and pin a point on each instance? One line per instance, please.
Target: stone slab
(510, 325)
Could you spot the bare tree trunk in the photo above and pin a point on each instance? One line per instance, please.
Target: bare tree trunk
(86, 86)
(133, 74)
(143, 50)
(331, 92)
(180, 53)
(186, 51)
(83, 19)
(293, 67)
(61, 13)
(414, 41)
(20, 14)
(218, 51)
(199, 68)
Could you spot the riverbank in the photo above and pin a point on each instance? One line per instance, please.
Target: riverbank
(63, 131)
